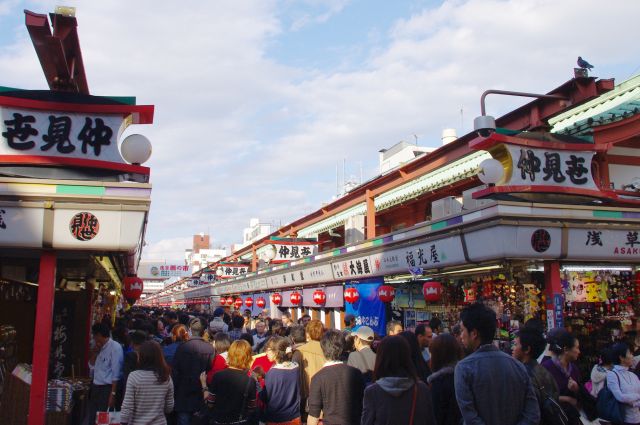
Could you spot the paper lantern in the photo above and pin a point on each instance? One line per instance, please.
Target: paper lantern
(432, 291)
(351, 295)
(295, 298)
(248, 302)
(261, 302)
(229, 301)
(132, 288)
(276, 299)
(223, 301)
(319, 297)
(237, 303)
(386, 293)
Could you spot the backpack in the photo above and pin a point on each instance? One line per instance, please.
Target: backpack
(551, 413)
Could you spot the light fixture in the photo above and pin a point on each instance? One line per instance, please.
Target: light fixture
(269, 253)
(490, 171)
(474, 269)
(588, 268)
(485, 125)
(112, 293)
(136, 149)
(635, 184)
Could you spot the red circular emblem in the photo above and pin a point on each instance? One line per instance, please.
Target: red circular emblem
(84, 226)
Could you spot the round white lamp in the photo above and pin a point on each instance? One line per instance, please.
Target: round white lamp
(219, 271)
(269, 253)
(136, 149)
(491, 171)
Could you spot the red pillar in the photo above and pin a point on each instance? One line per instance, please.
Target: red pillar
(554, 295)
(42, 339)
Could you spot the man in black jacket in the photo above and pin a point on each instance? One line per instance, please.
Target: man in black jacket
(191, 359)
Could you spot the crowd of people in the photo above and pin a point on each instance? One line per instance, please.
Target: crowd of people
(192, 369)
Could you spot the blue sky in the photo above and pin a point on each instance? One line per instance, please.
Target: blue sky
(257, 100)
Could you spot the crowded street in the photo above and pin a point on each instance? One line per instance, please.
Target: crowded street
(333, 212)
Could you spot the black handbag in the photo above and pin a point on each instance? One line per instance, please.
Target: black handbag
(242, 418)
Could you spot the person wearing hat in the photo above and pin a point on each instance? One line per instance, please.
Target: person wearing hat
(191, 359)
(217, 324)
(363, 358)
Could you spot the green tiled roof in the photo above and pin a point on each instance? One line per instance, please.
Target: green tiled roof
(621, 102)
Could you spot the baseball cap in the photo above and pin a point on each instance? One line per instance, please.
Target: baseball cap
(365, 333)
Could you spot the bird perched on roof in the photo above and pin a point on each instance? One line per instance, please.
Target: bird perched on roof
(584, 64)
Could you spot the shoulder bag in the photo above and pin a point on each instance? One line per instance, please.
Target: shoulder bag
(609, 408)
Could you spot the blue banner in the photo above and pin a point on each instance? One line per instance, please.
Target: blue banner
(368, 310)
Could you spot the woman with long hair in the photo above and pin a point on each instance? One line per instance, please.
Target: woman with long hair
(149, 394)
(421, 366)
(179, 334)
(398, 396)
(281, 393)
(232, 393)
(445, 351)
(221, 343)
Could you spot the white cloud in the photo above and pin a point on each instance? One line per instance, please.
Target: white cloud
(238, 135)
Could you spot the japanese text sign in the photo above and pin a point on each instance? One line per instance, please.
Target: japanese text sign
(60, 134)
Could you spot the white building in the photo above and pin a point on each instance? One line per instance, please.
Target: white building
(254, 232)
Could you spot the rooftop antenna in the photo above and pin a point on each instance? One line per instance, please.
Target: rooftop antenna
(415, 136)
(337, 180)
(360, 172)
(461, 119)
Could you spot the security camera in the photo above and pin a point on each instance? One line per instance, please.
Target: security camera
(484, 125)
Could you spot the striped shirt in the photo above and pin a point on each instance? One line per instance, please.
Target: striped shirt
(146, 400)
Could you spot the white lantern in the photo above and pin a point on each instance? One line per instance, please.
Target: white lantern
(491, 171)
(136, 149)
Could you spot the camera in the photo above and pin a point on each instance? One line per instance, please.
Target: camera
(484, 125)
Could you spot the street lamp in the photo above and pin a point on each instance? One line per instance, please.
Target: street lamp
(136, 149)
(490, 171)
(485, 124)
(269, 253)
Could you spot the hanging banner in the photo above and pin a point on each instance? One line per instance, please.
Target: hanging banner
(369, 310)
(334, 297)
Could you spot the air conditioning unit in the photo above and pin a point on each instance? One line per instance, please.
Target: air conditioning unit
(469, 203)
(445, 207)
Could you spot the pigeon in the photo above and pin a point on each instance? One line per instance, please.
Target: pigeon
(584, 64)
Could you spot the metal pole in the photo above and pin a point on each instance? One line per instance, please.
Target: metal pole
(516, 93)
(42, 338)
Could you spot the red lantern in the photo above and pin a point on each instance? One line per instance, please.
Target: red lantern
(248, 302)
(276, 299)
(238, 303)
(223, 301)
(351, 295)
(132, 288)
(319, 297)
(386, 293)
(432, 291)
(261, 302)
(295, 298)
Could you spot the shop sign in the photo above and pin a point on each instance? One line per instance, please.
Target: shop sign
(546, 167)
(108, 229)
(334, 297)
(558, 308)
(292, 252)
(21, 227)
(603, 244)
(84, 226)
(60, 134)
(353, 268)
(162, 271)
(514, 242)
(232, 270)
(61, 355)
(303, 276)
